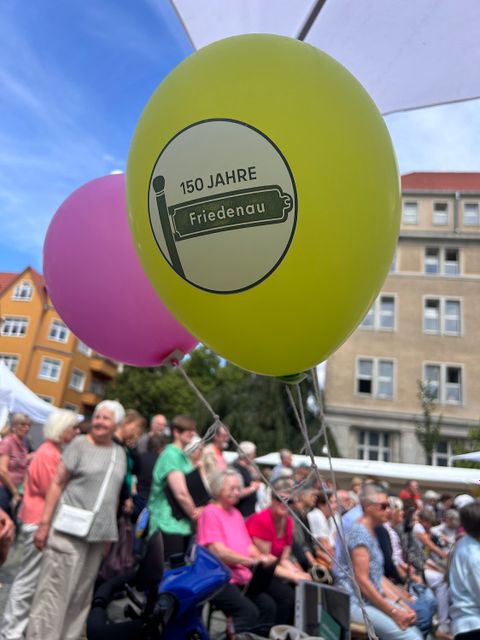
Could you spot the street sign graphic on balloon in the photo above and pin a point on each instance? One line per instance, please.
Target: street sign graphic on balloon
(264, 200)
(241, 186)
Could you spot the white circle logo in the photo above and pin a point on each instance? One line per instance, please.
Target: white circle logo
(222, 205)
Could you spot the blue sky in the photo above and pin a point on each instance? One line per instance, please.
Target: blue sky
(74, 78)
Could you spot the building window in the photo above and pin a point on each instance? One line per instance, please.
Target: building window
(444, 261)
(444, 383)
(50, 369)
(48, 399)
(442, 453)
(375, 377)
(440, 213)
(10, 361)
(83, 348)
(70, 406)
(98, 387)
(23, 291)
(451, 263)
(77, 380)
(373, 445)
(58, 331)
(442, 315)
(470, 213)
(410, 212)
(381, 314)
(14, 327)
(393, 264)
(432, 260)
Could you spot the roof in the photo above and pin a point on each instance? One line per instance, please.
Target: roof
(440, 181)
(7, 279)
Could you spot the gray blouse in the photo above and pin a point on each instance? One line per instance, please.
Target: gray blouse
(87, 464)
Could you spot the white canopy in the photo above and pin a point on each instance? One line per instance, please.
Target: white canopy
(16, 397)
(394, 472)
(473, 456)
(406, 54)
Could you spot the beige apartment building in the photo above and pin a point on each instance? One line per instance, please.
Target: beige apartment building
(42, 352)
(424, 325)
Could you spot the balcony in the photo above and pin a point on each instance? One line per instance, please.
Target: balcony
(90, 399)
(102, 367)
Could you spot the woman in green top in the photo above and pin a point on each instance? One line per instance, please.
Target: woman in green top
(169, 483)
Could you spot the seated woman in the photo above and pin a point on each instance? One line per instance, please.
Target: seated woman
(222, 529)
(323, 522)
(387, 607)
(464, 577)
(272, 532)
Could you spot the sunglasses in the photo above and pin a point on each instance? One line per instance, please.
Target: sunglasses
(288, 501)
(383, 506)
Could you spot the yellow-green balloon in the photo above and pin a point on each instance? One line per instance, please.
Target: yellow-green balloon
(264, 200)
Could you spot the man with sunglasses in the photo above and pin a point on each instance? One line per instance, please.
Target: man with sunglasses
(387, 607)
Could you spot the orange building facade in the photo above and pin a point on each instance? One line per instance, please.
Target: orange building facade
(42, 352)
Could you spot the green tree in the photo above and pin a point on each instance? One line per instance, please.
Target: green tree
(472, 444)
(427, 429)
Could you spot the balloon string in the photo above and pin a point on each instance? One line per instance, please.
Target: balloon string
(303, 427)
(339, 525)
(210, 434)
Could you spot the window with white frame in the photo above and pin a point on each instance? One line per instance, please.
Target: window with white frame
(442, 453)
(444, 383)
(410, 212)
(58, 331)
(83, 348)
(451, 266)
(432, 260)
(14, 327)
(381, 314)
(440, 213)
(442, 316)
(442, 261)
(10, 360)
(23, 291)
(50, 369)
(70, 406)
(393, 264)
(373, 445)
(375, 377)
(471, 213)
(77, 380)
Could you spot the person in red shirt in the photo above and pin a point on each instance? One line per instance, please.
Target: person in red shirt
(410, 495)
(7, 533)
(59, 430)
(13, 463)
(272, 531)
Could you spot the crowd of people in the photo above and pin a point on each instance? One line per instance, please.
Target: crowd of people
(410, 561)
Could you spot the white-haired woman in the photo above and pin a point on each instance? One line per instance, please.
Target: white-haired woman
(70, 563)
(59, 430)
(251, 481)
(222, 529)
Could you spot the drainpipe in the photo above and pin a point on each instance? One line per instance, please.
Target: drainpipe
(456, 208)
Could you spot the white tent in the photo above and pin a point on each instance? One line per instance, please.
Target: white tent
(16, 397)
(473, 456)
(406, 54)
(396, 473)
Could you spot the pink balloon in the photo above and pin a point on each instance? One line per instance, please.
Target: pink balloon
(97, 284)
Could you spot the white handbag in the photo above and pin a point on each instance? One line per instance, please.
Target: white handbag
(77, 522)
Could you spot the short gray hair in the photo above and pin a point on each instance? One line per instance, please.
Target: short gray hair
(395, 503)
(247, 448)
(369, 491)
(57, 423)
(115, 408)
(218, 480)
(19, 418)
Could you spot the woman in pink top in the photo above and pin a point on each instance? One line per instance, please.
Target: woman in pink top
(222, 529)
(272, 531)
(59, 430)
(13, 462)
